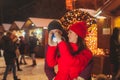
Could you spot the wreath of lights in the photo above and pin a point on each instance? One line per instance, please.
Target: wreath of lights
(76, 15)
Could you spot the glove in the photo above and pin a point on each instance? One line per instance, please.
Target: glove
(50, 41)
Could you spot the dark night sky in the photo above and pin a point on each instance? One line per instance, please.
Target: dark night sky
(12, 10)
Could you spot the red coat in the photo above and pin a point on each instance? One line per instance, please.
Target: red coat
(69, 66)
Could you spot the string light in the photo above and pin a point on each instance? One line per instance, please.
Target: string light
(78, 15)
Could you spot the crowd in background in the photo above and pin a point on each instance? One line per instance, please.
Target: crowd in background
(14, 51)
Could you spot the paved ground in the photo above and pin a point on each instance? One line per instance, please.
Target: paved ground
(29, 72)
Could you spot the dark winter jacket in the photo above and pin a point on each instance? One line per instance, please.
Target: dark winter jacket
(9, 50)
(114, 51)
(32, 43)
(22, 46)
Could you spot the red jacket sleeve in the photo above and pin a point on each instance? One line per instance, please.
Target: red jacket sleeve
(51, 56)
(81, 59)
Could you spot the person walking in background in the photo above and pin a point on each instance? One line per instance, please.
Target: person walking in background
(17, 43)
(32, 45)
(22, 50)
(73, 56)
(114, 51)
(9, 54)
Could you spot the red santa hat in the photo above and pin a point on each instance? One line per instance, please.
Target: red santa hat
(80, 28)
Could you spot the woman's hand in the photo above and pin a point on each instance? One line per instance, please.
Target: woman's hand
(50, 41)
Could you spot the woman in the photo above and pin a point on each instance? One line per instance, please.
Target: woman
(74, 57)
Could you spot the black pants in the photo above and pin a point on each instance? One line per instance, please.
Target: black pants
(8, 67)
(17, 63)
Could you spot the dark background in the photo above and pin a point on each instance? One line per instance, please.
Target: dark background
(13, 10)
(20, 10)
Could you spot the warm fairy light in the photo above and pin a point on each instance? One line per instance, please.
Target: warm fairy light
(79, 15)
(75, 16)
(91, 40)
(19, 33)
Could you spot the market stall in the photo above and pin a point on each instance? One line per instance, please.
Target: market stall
(6, 27)
(38, 27)
(16, 28)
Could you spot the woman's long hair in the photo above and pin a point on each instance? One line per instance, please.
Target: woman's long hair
(81, 45)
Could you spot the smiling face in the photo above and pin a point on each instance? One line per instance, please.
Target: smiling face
(72, 36)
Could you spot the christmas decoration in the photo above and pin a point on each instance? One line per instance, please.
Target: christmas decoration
(77, 15)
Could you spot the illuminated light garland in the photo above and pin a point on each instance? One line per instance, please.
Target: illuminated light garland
(91, 40)
(78, 15)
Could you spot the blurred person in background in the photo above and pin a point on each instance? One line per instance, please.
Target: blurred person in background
(22, 50)
(115, 52)
(17, 43)
(32, 45)
(9, 48)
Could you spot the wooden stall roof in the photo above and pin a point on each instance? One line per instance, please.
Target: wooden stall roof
(16, 25)
(13, 27)
(33, 22)
(6, 26)
(19, 24)
(40, 22)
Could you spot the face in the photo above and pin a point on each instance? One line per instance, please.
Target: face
(72, 36)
